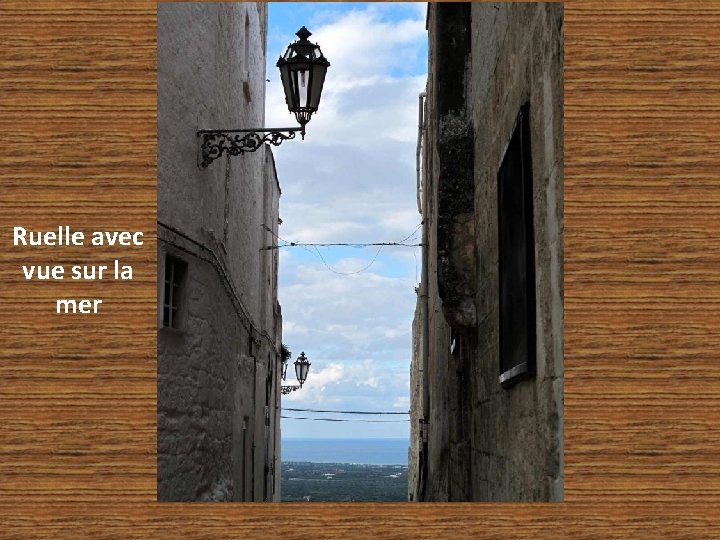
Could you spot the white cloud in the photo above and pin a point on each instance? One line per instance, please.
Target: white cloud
(402, 402)
(362, 45)
(330, 373)
(318, 389)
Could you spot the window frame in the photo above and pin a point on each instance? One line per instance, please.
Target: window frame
(171, 307)
(519, 148)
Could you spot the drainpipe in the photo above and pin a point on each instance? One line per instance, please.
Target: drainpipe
(418, 149)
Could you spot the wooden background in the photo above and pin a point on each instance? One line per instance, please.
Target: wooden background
(642, 288)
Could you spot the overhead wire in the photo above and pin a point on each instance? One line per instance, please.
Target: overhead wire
(342, 412)
(290, 243)
(304, 245)
(348, 273)
(343, 419)
(343, 244)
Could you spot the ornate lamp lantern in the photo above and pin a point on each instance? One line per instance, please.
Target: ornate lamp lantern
(302, 70)
(302, 366)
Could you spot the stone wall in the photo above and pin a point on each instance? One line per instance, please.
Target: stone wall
(218, 371)
(487, 442)
(415, 411)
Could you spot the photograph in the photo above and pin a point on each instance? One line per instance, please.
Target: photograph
(407, 269)
(360, 252)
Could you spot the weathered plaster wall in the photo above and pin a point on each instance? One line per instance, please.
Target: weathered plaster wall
(271, 323)
(218, 371)
(202, 74)
(415, 397)
(520, 456)
(488, 443)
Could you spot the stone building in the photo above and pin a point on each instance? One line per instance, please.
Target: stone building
(219, 322)
(487, 372)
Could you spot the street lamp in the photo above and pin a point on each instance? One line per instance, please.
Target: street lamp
(302, 70)
(302, 366)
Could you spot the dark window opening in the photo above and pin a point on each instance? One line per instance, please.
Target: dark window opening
(174, 276)
(246, 45)
(516, 256)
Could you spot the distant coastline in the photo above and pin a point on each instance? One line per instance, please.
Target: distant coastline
(353, 451)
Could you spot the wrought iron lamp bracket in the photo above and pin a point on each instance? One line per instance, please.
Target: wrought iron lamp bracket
(288, 389)
(234, 142)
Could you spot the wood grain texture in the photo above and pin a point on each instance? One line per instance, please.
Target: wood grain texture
(642, 288)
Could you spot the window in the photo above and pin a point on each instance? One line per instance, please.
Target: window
(516, 256)
(174, 277)
(245, 74)
(246, 45)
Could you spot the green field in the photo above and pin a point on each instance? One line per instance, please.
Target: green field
(343, 482)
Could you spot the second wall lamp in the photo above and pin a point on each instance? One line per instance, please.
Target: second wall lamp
(302, 367)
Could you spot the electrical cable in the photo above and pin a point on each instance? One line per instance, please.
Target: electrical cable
(342, 419)
(348, 273)
(315, 246)
(289, 243)
(342, 412)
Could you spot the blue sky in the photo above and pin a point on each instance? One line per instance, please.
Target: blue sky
(351, 180)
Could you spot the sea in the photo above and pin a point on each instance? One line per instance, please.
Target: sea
(360, 451)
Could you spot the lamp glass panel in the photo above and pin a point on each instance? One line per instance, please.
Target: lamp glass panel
(294, 83)
(287, 86)
(318, 77)
(301, 371)
(301, 77)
